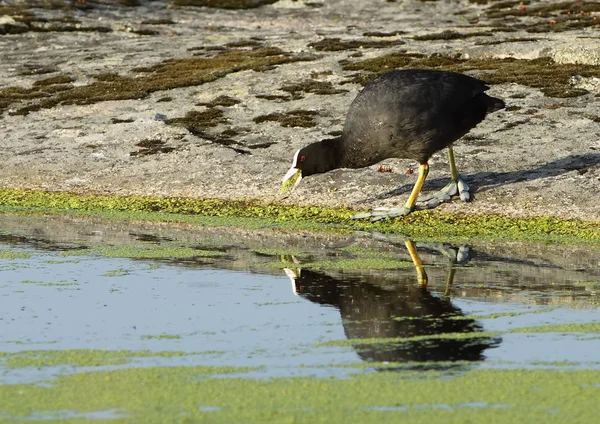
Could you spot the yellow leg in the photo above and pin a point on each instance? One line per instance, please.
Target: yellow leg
(421, 274)
(423, 171)
(453, 170)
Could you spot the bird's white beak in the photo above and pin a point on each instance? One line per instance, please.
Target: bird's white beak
(291, 178)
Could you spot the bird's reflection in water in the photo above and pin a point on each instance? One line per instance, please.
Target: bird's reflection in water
(374, 306)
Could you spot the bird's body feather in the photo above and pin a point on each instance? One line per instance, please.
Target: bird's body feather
(411, 114)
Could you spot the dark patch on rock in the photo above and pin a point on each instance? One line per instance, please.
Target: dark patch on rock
(452, 35)
(224, 4)
(549, 17)
(513, 108)
(507, 40)
(337, 44)
(275, 97)
(198, 121)
(169, 74)
(311, 86)
(145, 31)
(122, 121)
(244, 43)
(151, 147)
(165, 99)
(35, 69)
(552, 78)
(383, 34)
(220, 101)
(547, 10)
(293, 118)
(261, 145)
(59, 79)
(165, 21)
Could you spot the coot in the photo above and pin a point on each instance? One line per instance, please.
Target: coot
(408, 114)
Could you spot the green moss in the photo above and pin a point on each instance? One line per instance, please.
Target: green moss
(553, 79)
(166, 75)
(184, 394)
(422, 225)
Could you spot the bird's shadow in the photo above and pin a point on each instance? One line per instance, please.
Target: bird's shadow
(484, 181)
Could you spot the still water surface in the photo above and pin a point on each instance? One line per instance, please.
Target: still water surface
(239, 304)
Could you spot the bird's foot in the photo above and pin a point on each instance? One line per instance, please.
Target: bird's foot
(433, 200)
(383, 212)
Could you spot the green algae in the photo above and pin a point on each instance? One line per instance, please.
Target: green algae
(588, 284)
(500, 314)
(424, 225)
(161, 337)
(59, 284)
(348, 264)
(79, 357)
(119, 272)
(588, 327)
(276, 252)
(184, 394)
(11, 254)
(390, 341)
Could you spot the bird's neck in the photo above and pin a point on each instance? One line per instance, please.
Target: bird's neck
(332, 154)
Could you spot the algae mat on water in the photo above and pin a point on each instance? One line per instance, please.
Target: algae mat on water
(186, 394)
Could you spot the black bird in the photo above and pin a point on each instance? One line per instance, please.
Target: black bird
(408, 114)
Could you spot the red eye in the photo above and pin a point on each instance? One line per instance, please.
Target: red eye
(302, 158)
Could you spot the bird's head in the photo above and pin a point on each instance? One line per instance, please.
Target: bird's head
(305, 163)
(316, 158)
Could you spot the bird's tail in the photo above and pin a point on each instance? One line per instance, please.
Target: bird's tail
(494, 104)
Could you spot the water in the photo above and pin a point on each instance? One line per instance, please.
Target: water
(70, 284)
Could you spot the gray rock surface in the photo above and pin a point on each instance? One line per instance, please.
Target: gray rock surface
(539, 157)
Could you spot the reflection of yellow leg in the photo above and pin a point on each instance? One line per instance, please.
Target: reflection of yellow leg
(423, 171)
(449, 281)
(412, 251)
